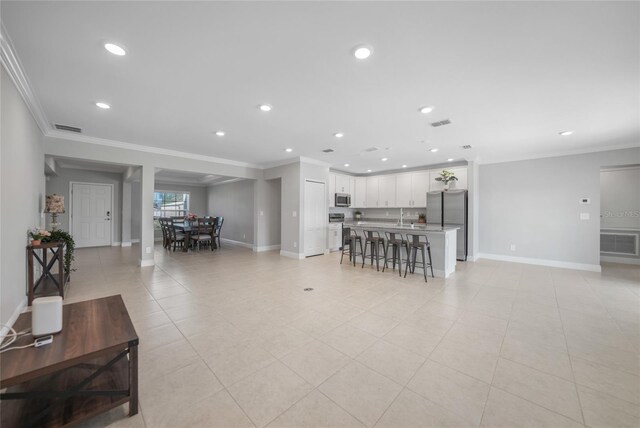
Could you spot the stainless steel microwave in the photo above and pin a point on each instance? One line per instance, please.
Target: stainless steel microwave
(343, 200)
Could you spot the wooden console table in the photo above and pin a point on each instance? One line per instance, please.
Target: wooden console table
(47, 280)
(83, 373)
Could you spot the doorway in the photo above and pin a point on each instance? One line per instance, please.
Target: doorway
(315, 218)
(91, 214)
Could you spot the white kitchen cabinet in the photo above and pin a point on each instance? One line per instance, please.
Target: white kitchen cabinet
(335, 236)
(387, 191)
(372, 192)
(332, 190)
(460, 173)
(343, 183)
(419, 188)
(359, 197)
(403, 189)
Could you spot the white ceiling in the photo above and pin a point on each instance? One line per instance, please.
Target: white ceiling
(510, 76)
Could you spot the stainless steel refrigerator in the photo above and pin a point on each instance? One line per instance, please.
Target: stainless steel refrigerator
(449, 209)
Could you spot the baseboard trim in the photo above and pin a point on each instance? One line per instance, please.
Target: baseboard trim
(116, 244)
(623, 260)
(14, 316)
(135, 241)
(239, 243)
(291, 255)
(266, 248)
(145, 263)
(126, 244)
(542, 262)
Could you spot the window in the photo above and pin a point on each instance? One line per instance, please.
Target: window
(170, 204)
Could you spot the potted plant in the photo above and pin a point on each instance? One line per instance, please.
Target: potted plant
(70, 246)
(447, 177)
(37, 235)
(422, 218)
(358, 215)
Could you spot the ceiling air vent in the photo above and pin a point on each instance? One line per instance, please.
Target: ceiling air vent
(371, 149)
(441, 123)
(466, 146)
(67, 128)
(328, 150)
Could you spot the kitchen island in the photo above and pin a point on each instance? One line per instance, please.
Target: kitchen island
(442, 240)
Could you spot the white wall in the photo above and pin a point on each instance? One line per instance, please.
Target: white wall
(267, 215)
(136, 212)
(22, 189)
(534, 204)
(620, 198)
(234, 202)
(59, 184)
(289, 176)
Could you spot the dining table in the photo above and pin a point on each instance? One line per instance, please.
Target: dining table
(189, 227)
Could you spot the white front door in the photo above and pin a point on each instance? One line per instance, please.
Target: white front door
(315, 219)
(91, 214)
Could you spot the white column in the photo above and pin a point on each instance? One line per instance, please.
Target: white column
(473, 233)
(126, 214)
(146, 209)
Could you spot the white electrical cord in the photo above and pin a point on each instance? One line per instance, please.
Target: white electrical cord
(18, 347)
(13, 337)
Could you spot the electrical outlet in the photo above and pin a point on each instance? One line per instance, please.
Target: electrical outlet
(244, 236)
(294, 214)
(295, 244)
(261, 212)
(387, 213)
(585, 216)
(513, 247)
(148, 250)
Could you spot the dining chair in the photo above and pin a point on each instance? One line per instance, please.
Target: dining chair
(204, 232)
(174, 236)
(217, 229)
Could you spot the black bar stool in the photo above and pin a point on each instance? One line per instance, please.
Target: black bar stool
(415, 243)
(373, 238)
(349, 239)
(397, 244)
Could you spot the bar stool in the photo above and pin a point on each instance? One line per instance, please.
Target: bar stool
(349, 239)
(373, 238)
(397, 244)
(415, 243)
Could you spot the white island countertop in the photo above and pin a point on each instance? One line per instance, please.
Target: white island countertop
(417, 227)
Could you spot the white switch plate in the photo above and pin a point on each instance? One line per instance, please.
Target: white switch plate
(148, 250)
(585, 216)
(513, 247)
(295, 214)
(261, 212)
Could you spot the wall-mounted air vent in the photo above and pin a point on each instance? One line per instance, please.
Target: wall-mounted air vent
(441, 123)
(328, 150)
(466, 146)
(619, 243)
(371, 149)
(67, 128)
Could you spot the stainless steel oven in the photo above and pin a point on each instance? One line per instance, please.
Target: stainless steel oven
(343, 200)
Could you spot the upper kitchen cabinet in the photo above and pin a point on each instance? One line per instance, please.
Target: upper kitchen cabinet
(372, 200)
(419, 188)
(359, 197)
(332, 190)
(343, 184)
(403, 190)
(460, 173)
(387, 191)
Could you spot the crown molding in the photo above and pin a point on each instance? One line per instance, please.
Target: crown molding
(147, 149)
(12, 64)
(561, 154)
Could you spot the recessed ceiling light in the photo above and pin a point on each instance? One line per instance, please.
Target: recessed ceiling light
(433, 150)
(346, 164)
(450, 160)
(362, 52)
(115, 49)
(288, 150)
(368, 170)
(104, 106)
(265, 107)
(220, 133)
(384, 159)
(426, 109)
(339, 134)
(404, 166)
(566, 133)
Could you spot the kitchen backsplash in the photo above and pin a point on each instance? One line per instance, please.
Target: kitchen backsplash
(381, 214)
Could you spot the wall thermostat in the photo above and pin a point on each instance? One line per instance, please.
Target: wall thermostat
(585, 201)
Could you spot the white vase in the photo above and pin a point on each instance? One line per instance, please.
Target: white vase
(452, 184)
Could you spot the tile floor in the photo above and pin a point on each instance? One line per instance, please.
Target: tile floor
(230, 339)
